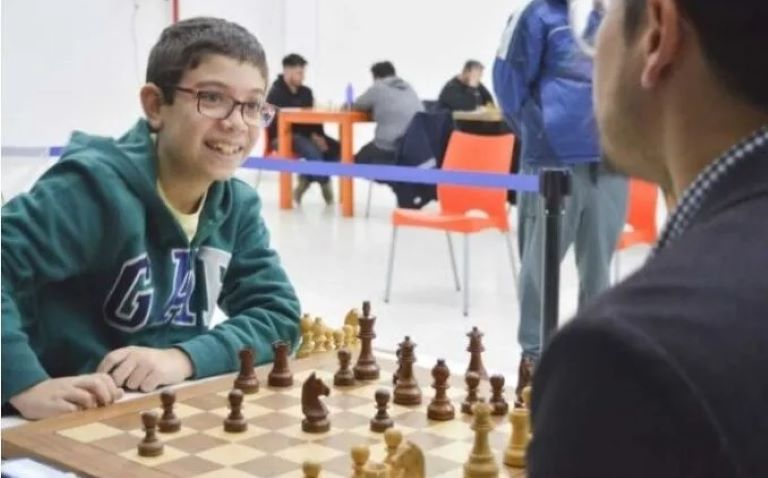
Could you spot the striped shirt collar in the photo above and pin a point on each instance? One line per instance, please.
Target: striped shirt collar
(694, 196)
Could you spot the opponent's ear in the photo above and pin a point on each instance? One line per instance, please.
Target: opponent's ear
(661, 40)
(152, 101)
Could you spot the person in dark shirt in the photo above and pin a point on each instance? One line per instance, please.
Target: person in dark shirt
(665, 374)
(465, 92)
(309, 140)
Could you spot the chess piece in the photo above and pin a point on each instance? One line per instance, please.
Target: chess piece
(498, 404)
(344, 376)
(514, 455)
(360, 455)
(527, 405)
(281, 375)
(476, 350)
(382, 420)
(408, 462)
(392, 438)
(329, 340)
(246, 380)
(407, 391)
(473, 382)
(356, 336)
(441, 407)
(319, 335)
(311, 469)
(481, 462)
(150, 446)
(315, 411)
(349, 336)
(338, 339)
(307, 340)
(235, 422)
(169, 422)
(398, 352)
(366, 367)
(376, 470)
(352, 318)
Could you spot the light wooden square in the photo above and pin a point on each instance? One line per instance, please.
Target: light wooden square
(295, 431)
(231, 454)
(183, 431)
(296, 411)
(309, 451)
(456, 429)
(250, 410)
(457, 451)
(225, 473)
(251, 432)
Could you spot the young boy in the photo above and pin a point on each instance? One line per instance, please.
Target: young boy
(113, 263)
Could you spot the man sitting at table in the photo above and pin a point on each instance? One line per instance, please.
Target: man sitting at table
(465, 92)
(309, 141)
(393, 103)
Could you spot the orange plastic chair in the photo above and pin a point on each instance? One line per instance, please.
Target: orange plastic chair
(465, 152)
(641, 217)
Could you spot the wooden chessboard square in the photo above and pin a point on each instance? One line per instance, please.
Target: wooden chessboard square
(456, 394)
(454, 429)
(187, 466)
(347, 440)
(203, 421)
(428, 441)
(324, 375)
(276, 401)
(369, 409)
(182, 410)
(249, 410)
(118, 443)
(304, 451)
(196, 443)
(267, 466)
(247, 397)
(169, 454)
(366, 391)
(345, 402)
(271, 442)
(231, 454)
(273, 421)
(90, 433)
(345, 420)
(225, 473)
(232, 437)
(438, 465)
(413, 419)
(295, 431)
(457, 451)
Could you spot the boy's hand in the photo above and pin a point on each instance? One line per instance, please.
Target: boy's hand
(145, 368)
(67, 394)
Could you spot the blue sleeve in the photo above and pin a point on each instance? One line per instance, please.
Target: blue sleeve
(518, 65)
(593, 23)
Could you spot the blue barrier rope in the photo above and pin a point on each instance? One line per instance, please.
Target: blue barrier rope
(402, 174)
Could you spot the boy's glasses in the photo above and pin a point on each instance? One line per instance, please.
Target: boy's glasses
(216, 105)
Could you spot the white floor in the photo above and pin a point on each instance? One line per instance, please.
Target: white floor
(336, 263)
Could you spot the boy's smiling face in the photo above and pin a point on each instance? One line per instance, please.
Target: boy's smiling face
(195, 146)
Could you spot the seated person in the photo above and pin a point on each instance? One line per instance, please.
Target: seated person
(309, 140)
(114, 262)
(464, 92)
(664, 375)
(393, 103)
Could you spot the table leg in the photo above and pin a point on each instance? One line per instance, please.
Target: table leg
(285, 150)
(346, 192)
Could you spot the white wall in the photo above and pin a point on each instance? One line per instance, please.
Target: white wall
(77, 64)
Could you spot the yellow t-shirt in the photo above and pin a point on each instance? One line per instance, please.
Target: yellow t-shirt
(188, 222)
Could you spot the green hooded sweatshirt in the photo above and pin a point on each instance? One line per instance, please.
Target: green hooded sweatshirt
(93, 260)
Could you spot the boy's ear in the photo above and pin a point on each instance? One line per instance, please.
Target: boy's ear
(151, 101)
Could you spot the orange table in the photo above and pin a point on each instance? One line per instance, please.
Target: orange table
(290, 116)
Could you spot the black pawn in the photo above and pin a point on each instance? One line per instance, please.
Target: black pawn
(382, 420)
(150, 446)
(168, 423)
(235, 422)
(344, 377)
(499, 405)
(473, 382)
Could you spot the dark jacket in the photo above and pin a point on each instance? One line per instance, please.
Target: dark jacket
(666, 375)
(456, 96)
(281, 95)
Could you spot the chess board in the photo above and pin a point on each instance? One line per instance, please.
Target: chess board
(102, 442)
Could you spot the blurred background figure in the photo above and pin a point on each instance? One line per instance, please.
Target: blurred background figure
(465, 92)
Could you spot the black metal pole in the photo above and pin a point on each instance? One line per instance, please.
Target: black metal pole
(554, 186)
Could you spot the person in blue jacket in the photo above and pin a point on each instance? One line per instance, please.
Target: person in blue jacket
(543, 83)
